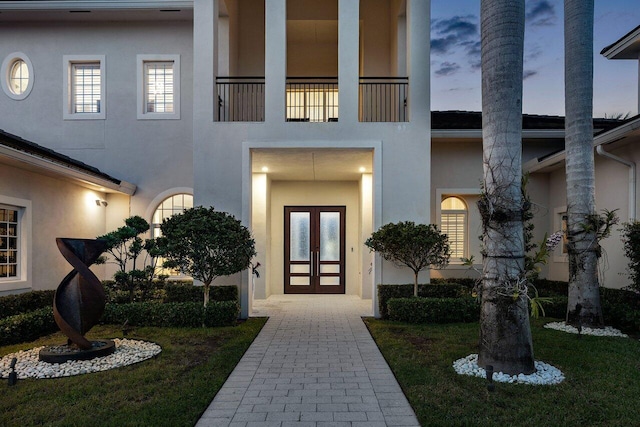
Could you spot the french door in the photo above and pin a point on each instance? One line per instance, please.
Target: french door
(314, 249)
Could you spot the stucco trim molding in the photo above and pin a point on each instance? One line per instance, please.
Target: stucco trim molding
(96, 4)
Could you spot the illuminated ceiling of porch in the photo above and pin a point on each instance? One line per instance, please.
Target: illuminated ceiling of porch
(306, 164)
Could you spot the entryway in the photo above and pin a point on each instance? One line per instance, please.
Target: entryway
(314, 250)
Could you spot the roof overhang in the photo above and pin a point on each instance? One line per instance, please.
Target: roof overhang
(477, 133)
(624, 132)
(13, 157)
(628, 47)
(96, 4)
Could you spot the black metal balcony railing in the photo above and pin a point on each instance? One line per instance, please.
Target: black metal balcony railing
(312, 99)
(240, 99)
(383, 99)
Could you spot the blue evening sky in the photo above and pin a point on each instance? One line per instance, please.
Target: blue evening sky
(455, 57)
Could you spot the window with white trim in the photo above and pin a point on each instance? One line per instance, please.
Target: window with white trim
(453, 223)
(17, 76)
(170, 206)
(84, 87)
(158, 86)
(9, 243)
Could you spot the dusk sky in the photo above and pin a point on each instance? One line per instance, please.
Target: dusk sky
(455, 57)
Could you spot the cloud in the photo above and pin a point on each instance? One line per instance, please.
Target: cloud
(541, 13)
(472, 47)
(528, 73)
(449, 34)
(447, 69)
(461, 26)
(443, 45)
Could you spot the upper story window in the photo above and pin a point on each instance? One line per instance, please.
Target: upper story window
(9, 242)
(84, 87)
(158, 86)
(453, 223)
(17, 72)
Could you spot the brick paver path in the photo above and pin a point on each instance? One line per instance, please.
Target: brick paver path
(313, 364)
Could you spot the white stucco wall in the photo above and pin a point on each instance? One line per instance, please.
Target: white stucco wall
(56, 208)
(153, 154)
(612, 181)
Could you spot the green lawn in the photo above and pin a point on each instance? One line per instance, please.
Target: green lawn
(172, 389)
(602, 385)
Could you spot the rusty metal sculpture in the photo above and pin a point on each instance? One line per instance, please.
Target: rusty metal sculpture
(79, 300)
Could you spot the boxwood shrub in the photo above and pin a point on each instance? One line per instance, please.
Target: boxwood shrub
(181, 292)
(177, 314)
(441, 290)
(434, 310)
(27, 327)
(11, 305)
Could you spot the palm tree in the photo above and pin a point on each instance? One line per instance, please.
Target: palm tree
(583, 307)
(505, 333)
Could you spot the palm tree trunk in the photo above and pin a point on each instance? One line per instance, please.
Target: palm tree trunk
(584, 295)
(505, 334)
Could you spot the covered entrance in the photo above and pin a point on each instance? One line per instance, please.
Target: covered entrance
(314, 250)
(311, 210)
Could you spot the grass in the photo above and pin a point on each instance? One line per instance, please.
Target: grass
(602, 382)
(172, 389)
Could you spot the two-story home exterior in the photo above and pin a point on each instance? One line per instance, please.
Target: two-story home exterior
(308, 120)
(305, 116)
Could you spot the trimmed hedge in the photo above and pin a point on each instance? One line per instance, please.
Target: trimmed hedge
(551, 288)
(434, 310)
(178, 292)
(442, 290)
(621, 308)
(466, 282)
(12, 305)
(27, 327)
(182, 314)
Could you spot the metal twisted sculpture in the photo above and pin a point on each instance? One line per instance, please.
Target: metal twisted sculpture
(79, 300)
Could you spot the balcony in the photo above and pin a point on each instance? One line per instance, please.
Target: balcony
(312, 99)
(240, 99)
(383, 99)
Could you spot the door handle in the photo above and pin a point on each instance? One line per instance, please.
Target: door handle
(313, 263)
(318, 263)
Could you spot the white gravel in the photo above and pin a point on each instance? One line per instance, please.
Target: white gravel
(607, 331)
(127, 352)
(545, 374)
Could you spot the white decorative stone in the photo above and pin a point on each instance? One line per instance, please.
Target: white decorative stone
(127, 352)
(607, 331)
(545, 374)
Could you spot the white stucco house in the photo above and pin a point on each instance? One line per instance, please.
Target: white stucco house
(308, 120)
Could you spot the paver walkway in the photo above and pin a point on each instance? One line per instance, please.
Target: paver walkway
(313, 364)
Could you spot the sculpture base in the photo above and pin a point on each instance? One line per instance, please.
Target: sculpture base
(64, 353)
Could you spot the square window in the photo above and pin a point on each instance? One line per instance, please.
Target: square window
(84, 87)
(158, 87)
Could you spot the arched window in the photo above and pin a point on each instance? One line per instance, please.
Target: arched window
(170, 206)
(453, 223)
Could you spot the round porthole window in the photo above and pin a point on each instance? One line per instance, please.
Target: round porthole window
(17, 76)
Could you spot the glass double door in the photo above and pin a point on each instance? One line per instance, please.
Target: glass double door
(314, 249)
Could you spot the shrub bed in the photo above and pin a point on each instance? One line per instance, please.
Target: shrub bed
(183, 314)
(434, 310)
(180, 292)
(27, 327)
(12, 305)
(441, 290)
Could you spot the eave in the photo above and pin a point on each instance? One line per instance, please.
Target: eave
(96, 5)
(627, 47)
(23, 160)
(555, 160)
